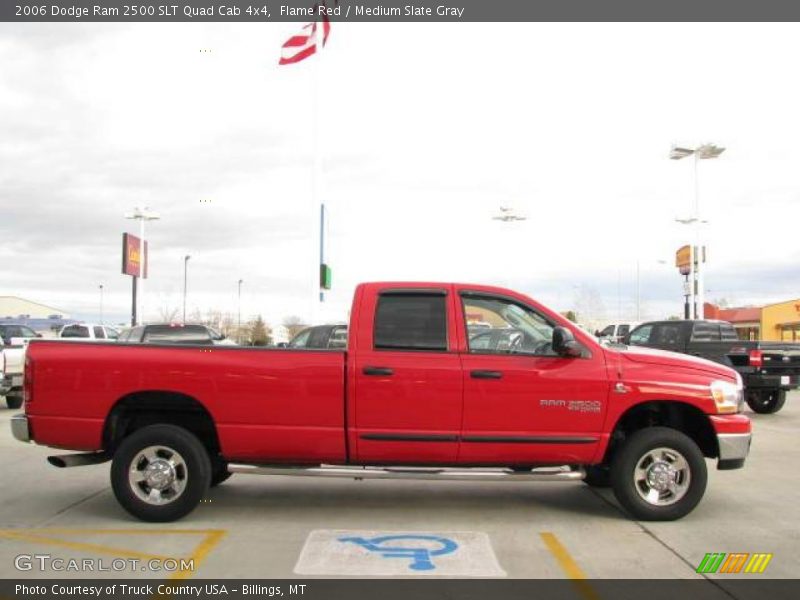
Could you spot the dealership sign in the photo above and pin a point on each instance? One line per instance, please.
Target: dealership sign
(683, 259)
(134, 261)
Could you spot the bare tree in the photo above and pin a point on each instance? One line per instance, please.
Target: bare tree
(166, 312)
(293, 325)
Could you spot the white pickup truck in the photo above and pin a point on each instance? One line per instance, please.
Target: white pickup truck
(88, 331)
(12, 361)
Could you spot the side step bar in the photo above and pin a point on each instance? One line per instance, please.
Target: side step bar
(449, 474)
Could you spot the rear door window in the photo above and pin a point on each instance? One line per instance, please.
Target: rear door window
(666, 334)
(411, 321)
(705, 332)
(99, 333)
(727, 332)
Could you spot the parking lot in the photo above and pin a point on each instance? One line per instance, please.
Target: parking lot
(284, 527)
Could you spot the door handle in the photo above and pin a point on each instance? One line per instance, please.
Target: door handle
(486, 374)
(382, 371)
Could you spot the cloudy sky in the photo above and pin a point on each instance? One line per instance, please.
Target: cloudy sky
(426, 130)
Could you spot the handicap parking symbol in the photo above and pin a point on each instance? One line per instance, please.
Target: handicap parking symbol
(404, 553)
(419, 551)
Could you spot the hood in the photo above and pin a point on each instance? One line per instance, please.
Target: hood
(674, 360)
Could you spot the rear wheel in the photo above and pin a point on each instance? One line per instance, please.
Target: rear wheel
(13, 401)
(659, 474)
(766, 401)
(160, 473)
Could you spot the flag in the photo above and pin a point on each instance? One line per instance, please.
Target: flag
(303, 45)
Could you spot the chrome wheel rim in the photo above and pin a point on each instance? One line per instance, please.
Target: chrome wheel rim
(158, 475)
(662, 476)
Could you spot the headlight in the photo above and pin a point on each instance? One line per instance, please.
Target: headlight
(729, 397)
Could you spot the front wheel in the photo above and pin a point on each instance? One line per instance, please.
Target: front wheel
(160, 473)
(659, 474)
(766, 401)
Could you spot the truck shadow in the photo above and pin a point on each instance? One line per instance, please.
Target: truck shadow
(330, 500)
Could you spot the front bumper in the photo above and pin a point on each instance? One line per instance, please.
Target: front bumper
(734, 436)
(733, 449)
(20, 428)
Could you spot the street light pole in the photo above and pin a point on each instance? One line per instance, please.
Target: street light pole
(239, 319)
(697, 251)
(101, 304)
(185, 269)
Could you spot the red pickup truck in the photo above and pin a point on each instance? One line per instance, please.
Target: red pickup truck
(420, 391)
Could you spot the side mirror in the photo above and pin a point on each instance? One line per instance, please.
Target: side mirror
(564, 343)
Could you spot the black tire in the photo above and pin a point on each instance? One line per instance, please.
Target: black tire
(192, 475)
(691, 478)
(765, 402)
(219, 472)
(598, 476)
(14, 401)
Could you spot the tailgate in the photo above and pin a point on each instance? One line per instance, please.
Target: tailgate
(780, 358)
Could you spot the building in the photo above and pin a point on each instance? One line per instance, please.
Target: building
(781, 321)
(14, 307)
(773, 322)
(42, 318)
(746, 320)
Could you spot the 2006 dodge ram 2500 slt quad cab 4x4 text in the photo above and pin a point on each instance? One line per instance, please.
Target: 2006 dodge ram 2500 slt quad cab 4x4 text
(412, 395)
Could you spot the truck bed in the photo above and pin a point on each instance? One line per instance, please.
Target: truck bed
(284, 404)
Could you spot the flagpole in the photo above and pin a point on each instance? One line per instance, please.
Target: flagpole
(316, 173)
